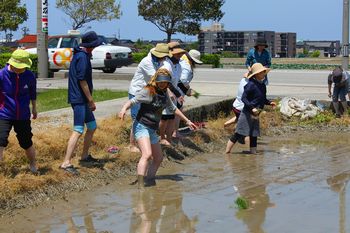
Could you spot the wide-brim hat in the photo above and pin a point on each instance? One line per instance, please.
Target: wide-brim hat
(163, 78)
(256, 69)
(161, 50)
(90, 40)
(261, 42)
(195, 55)
(175, 47)
(20, 59)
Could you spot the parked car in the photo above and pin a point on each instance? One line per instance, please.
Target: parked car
(106, 57)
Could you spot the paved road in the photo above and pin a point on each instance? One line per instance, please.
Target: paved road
(224, 82)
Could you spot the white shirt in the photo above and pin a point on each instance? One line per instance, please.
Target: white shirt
(238, 104)
(145, 70)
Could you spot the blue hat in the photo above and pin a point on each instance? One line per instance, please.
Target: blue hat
(90, 40)
(163, 78)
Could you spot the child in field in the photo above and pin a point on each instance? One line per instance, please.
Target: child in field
(254, 99)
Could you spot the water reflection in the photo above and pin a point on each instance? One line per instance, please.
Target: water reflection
(338, 184)
(248, 180)
(156, 211)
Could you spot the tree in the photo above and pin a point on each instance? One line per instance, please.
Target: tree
(82, 12)
(184, 16)
(12, 14)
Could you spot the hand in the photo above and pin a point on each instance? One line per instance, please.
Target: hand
(92, 105)
(273, 104)
(191, 125)
(181, 100)
(255, 111)
(249, 69)
(121, 114)
(34, 114)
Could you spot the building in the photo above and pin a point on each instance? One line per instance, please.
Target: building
(285, 44)
(329, 48)
(28, 41)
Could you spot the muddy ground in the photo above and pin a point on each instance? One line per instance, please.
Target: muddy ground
(296, 183)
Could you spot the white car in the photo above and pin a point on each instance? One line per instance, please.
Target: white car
(105, 57)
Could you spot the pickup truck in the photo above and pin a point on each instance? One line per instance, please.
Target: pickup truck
(105, 57)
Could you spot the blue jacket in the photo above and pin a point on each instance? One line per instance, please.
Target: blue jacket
(254, 95)
(253, 57)
(16, 91)
(80, 69)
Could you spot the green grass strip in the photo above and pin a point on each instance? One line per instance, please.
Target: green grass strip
(57, 98)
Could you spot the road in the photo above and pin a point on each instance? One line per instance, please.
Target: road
(223, 82)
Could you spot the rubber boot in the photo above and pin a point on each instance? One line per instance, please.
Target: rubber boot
(345, 107)
(141, 181)
(150, 181)
(253, 150)
(336, 109)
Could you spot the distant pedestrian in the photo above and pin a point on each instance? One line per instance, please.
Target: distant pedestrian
(80, 89)
(18, 90)
(157, 58)
(254, 99)
(340, 81)
(153, 99)
(259, 54)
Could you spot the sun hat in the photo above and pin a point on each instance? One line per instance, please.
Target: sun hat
(175, 47)
(261, 42)
(20, 59)
(256, 69)
(195, 56)
(90, 40)
(163, 78)
(161, 50)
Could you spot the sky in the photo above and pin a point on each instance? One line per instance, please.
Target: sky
(310, 19)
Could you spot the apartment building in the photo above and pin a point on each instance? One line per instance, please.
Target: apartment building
(285, 44)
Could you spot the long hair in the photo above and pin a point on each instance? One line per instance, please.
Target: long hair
(152, 84)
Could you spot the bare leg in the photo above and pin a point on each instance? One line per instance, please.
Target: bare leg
(230, 121)
(176, 127)
(72, 142)
(157, 155)
(133, 146)
(30, 152)
(87, 142)
(229, 146)
(169, 130)
(146, 154)
(162, 130)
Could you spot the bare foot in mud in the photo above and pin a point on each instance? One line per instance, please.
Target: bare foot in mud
(165, 142)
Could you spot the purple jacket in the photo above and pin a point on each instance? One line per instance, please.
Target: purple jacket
(16, 91)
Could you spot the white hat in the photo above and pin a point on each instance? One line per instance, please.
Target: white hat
(195, 56)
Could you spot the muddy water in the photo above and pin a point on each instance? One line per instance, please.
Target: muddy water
(297, 183)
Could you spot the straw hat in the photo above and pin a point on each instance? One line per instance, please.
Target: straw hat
(161, 50)
(261, 42)
(20, 59)
(256, 69)
(195, 56)
(175, 47)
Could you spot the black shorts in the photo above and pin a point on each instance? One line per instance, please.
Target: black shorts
(23, 132)
(168, 117)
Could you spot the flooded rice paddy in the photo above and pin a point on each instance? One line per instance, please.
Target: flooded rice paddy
(297, 183)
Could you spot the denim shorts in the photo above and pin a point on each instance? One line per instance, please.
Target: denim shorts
(134, 109)
(83, 115)
(141, 130)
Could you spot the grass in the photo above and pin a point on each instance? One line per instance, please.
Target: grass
(57, 98)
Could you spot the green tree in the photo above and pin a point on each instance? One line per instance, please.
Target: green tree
(184, 16)
(12, 14)
(82, 12)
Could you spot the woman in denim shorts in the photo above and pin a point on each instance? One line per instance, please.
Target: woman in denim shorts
(153, 99)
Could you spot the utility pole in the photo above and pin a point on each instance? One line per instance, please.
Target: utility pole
(42, 29)
(345, 49)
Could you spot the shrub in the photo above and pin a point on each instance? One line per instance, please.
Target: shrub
(4, 57)
(229, 54)
(213, 59)
(315, 53)
(137, 57)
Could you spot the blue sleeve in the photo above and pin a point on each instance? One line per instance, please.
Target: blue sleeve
(268, 59)
(32, 87)
(248, 91)
(81, 67)
(250, 58)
